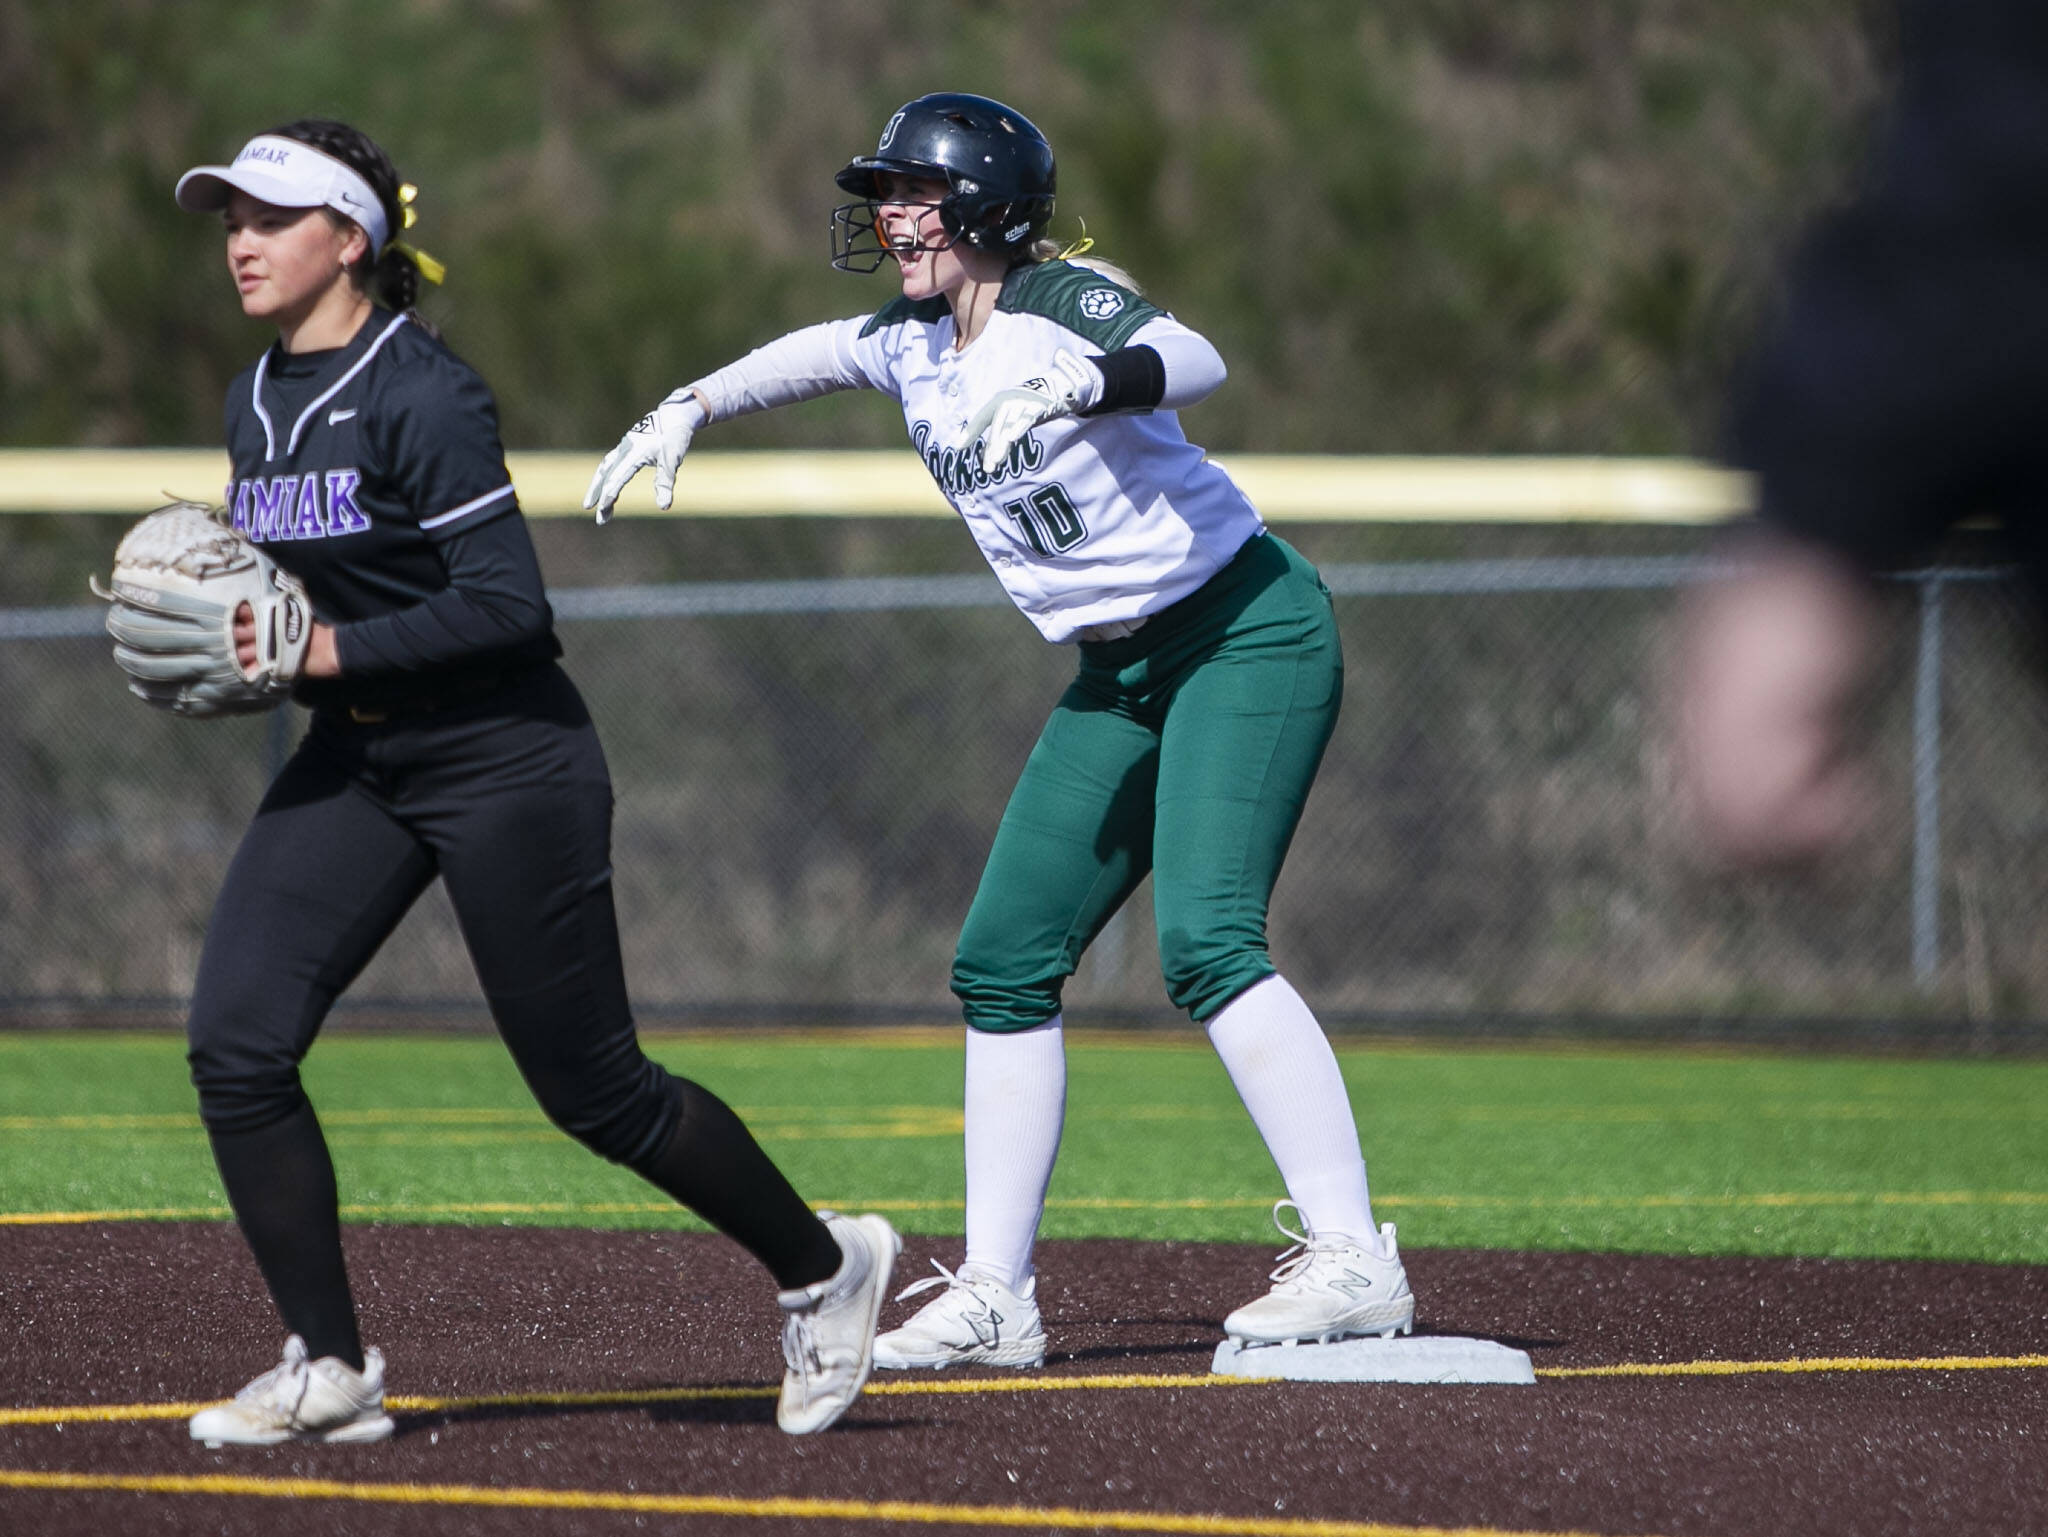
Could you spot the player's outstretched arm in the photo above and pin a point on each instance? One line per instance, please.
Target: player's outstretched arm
(660, 438)
(803, 365)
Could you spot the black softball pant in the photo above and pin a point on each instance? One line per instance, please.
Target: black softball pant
(509, 801)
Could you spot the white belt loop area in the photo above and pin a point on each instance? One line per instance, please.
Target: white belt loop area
(1114, 629)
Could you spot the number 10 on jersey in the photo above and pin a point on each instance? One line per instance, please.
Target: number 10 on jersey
(1048, 520)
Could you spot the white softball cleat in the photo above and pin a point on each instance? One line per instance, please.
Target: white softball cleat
(828, 1337)
(975, 1321)
(1328, 1289)
(302, 1400)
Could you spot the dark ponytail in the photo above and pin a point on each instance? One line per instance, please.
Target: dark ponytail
(390, 277)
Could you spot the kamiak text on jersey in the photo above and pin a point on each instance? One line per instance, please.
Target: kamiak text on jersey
(320, 504)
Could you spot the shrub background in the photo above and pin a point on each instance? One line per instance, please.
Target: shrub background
(1411, 225)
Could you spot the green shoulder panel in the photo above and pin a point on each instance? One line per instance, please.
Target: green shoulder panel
(899, 311)
(1079, 298)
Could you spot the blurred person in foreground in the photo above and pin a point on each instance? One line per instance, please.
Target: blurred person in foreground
(1903, 389)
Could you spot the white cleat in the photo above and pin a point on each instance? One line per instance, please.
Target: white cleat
(302, 1400)
(975, 1321)
(1328, 1289)
(828, 1335)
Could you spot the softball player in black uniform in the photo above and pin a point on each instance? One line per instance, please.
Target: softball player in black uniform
(445, 740)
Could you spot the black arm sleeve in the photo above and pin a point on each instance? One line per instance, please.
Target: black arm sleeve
(494, 602)
(1133, 379)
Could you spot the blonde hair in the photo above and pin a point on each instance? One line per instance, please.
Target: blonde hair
(1044, 250)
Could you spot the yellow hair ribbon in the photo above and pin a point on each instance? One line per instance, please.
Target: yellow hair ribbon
(1079, 247)
(433, 271)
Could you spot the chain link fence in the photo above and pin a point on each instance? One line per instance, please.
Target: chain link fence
(809, 772)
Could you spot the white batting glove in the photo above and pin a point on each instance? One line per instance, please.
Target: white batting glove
(1003, 422)
(660, 438)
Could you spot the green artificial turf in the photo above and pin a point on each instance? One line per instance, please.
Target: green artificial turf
(1647, 1151)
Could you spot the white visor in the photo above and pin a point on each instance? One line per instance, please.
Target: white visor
(290, 175)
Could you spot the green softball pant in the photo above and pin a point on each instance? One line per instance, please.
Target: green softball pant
(1184, 751)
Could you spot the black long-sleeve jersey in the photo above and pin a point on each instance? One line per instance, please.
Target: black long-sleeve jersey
(374, 473)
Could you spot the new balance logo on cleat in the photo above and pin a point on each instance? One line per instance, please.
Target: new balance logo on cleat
(974, 1321)
(1328, 1288)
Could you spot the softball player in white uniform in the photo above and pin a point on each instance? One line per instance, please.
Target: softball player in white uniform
(1041, 395)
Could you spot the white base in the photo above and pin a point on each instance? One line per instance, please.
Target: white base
(1433, 1358)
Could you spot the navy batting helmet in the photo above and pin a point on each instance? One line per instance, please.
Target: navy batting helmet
(997, 166)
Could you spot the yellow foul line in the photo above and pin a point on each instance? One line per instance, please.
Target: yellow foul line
(1064, 1518)
(971, 1386)
(114, 1214)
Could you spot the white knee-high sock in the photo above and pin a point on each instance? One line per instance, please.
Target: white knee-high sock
(1283, 1068)
(1016, 1103)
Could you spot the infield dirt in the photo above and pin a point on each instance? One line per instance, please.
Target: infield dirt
(1123, 1426)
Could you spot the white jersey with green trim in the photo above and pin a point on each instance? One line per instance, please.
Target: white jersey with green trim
(1090, 521)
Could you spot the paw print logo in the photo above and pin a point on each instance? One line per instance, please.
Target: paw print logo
(1101, 303)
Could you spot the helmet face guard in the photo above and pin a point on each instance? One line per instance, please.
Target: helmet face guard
(858, 244)
(997, 168)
